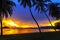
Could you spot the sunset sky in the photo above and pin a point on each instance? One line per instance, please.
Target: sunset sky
(23, 15)
(21, 18)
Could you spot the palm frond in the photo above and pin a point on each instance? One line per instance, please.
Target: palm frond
(54, 10)
(6, 8)
(11, 3)
(25, 3)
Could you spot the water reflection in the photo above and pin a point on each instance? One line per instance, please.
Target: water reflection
(23, 31)
(18, 31)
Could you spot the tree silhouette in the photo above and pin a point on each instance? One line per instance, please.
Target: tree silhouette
(5, 9)
(40, 6)
(28, 3)
(54, 10)
(57, 25)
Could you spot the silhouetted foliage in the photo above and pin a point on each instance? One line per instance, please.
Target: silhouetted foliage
(40, 5)
(28, 3)
(25, 3)
(6, 7)
(57, 25)
(54, 10)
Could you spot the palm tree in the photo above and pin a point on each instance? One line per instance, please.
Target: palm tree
(40, 6)
(54, 10)
(5, 9)
(29, 4)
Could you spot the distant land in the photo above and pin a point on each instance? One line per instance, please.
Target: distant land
(42, 27)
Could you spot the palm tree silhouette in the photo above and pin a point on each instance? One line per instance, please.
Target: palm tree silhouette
(29, 4)
(54, 10)
(5, 9)
(40, 6)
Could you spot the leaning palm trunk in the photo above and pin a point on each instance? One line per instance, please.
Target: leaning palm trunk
(49, 21)
(35, 20)
(1, 25)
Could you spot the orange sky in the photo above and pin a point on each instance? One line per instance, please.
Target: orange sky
(14, 23)
(19, 23)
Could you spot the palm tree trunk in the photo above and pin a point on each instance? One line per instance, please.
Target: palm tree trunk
(49, 21)
(35, 20)
(1, 21)
(1, 25)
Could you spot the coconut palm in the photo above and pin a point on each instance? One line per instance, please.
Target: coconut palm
(28, 3)
(5, 10)
(41, 7)
(54, 10)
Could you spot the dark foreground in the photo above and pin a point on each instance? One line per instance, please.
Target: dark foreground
(33, 36)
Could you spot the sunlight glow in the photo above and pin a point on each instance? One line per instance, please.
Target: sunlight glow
(17, 23)
(25, 26)
(9, 23)
(53, 22)
(13, 24)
